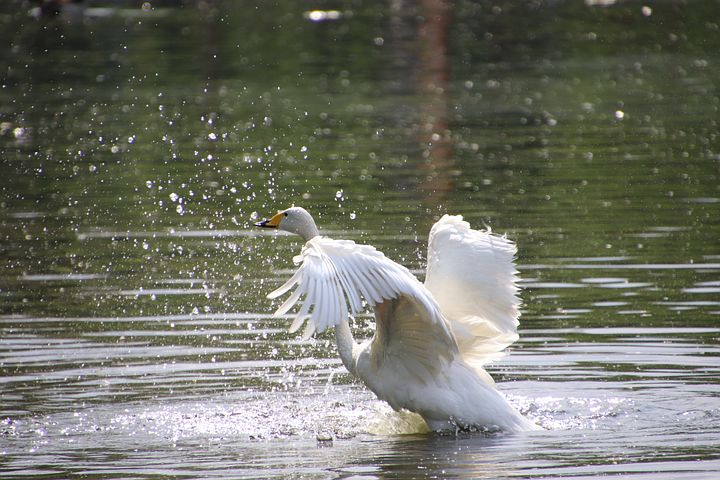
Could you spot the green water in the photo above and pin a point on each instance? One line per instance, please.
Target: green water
(138, 147)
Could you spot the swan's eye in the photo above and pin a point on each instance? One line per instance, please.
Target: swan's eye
(286, 214)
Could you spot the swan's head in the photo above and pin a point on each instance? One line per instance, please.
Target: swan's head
(295, 220)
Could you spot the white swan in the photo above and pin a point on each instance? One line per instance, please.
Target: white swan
(431, 340)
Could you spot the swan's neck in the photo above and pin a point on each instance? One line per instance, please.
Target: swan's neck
(308, 231)
(345, 345)
(309, 234)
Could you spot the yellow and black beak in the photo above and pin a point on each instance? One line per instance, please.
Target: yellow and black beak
(273, 222)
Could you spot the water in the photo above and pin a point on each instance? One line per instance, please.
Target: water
(139, 146)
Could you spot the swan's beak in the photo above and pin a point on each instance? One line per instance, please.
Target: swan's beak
(273, 222)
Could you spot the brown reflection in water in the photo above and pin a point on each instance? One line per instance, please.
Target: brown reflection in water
(210, 53)
(434, 133)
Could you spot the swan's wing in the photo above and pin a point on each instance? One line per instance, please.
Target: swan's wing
(411, 341)
(472, 276)
(336, 274)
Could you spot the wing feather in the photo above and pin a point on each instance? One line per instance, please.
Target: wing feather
(472, 276)
(334, 275)
(285, 287)
(356, 288)
(383, 287)
(348, 287)
(320, 309)
(301, 316)
(290, 302)
(411, 341)
(369, 284)
(297, 323)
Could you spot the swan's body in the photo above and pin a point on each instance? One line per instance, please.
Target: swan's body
(432, 339)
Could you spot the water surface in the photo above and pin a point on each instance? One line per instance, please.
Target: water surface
(139, 145)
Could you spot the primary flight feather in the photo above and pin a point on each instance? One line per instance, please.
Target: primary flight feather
(432, 339)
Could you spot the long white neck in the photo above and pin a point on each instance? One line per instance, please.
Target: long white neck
(345, 345)
(308, 232)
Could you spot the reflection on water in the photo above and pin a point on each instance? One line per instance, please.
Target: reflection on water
(139, 145)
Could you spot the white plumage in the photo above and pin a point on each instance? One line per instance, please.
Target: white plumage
(432, 339)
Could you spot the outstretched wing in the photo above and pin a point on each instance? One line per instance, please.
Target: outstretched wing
(336, 274)
(410, 342)
(472, 276)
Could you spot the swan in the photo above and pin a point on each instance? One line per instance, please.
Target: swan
(431, 340)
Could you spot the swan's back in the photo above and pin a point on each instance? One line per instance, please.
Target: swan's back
(472, 276)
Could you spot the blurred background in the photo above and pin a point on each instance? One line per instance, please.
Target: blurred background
(140, 140)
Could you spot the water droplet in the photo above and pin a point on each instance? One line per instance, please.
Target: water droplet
(322, 15)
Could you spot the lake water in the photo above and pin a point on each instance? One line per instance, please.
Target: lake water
(139, 145)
